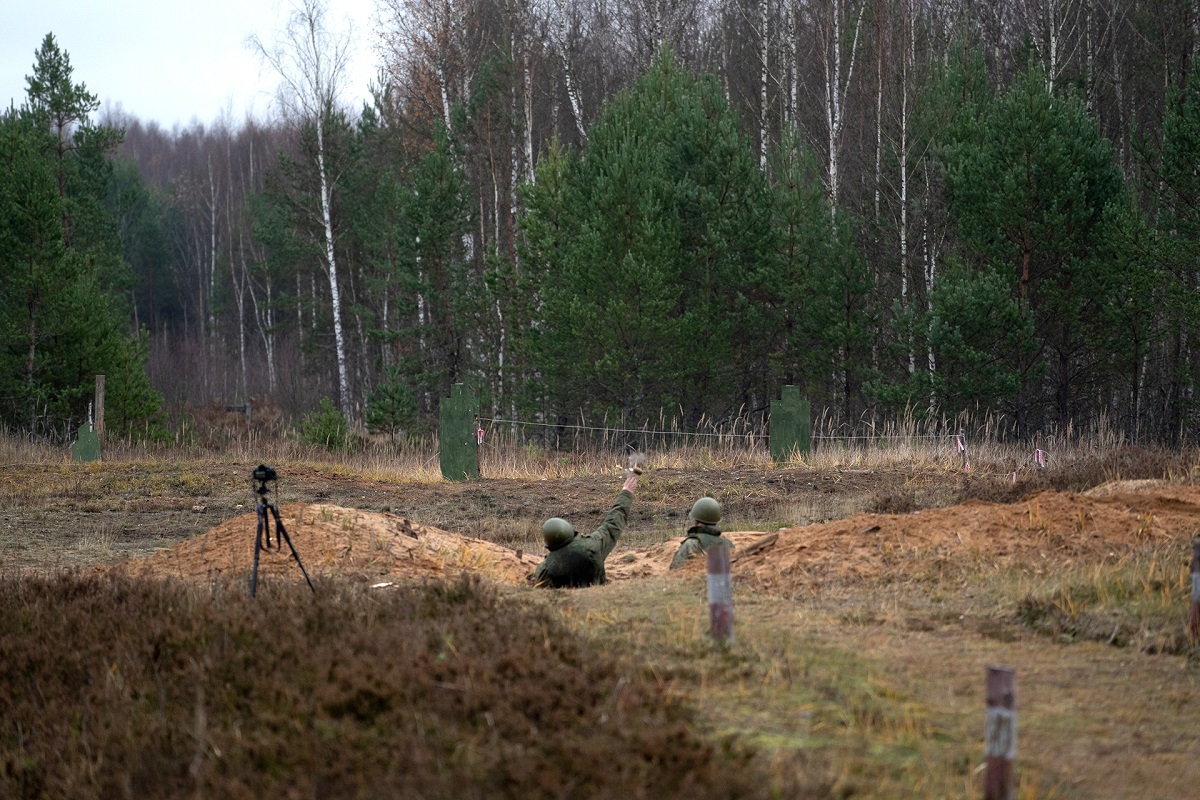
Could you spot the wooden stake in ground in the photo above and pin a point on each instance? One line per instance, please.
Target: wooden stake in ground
(720, 594)
(1000, 734)
(100, 407)
(1194, 616)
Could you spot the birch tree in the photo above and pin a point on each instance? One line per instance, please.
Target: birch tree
(565, 29)
(838, 67)
(312, 60)
(1054, 28)
(427, 41)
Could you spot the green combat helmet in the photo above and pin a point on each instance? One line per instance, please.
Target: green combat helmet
(557, 532)
(706, 510)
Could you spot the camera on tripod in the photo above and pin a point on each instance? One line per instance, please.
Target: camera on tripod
(262, 473)
(268, 509)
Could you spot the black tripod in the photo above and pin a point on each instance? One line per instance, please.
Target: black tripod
(262, 474)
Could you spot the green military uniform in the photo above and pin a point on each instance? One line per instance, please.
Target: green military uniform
(580, 561)
(700, 537)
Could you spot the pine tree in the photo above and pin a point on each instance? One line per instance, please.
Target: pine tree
(1029, 180)
(63, 314)
(653, 244)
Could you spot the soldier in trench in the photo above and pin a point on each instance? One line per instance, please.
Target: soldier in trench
(702, 534)
(578, 559)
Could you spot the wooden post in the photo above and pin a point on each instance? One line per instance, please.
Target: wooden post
(720, 594)
(962, 449)
(100, 407)
(1194, 616)
(1000, 734)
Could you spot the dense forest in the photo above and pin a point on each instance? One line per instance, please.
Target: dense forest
(631, 209)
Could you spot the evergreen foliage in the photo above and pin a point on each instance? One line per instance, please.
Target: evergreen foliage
(63, 313)
(816, 298)
(392, 409)
(1173, 258)
(1030, 179)
(618, 254)
(650, 245)
(326, 427)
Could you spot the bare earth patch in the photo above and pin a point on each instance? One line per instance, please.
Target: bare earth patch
(905, 593)
(333, 542)
(1049, 527)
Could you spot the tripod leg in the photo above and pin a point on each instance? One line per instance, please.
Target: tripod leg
(267, 529)
(281, 533)
(262, 521)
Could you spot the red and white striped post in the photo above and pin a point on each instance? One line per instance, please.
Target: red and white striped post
(720, 593)
(962, 449)
(1194, 616)
(1000, 734)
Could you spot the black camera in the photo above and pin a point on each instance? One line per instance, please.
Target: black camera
(262, 473)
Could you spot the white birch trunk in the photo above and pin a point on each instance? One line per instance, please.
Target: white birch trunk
(238, 271)
(422, 322)
(793, 49)
(929, 258)
(1195, 17)
(335, 297)
(764, 51)
(835, 95)
(212, 252)
(833, 117)
(444, 90)
(878, 183)
(527, 79)
(562, 44)
(1054, 31)
(264, 316)
(1090, 58)
(313, 65)
(300, 316)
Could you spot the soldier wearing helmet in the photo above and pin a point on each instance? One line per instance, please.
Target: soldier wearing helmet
(578, 560)
(703, 533)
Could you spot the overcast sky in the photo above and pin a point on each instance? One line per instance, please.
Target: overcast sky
(166, 60)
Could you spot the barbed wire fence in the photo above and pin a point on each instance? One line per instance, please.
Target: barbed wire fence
(951, 442)
(561, 436)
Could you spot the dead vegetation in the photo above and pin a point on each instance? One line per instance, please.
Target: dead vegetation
(870, 593)
(113, 688)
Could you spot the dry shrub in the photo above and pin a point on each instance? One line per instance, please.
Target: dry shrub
(1083, 471)
(114, 688)
(217, 424)
(892, 501)
(1124, 463)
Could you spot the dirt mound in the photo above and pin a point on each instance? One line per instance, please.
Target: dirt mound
(656, 559)
(1048, 528)
(333, 541)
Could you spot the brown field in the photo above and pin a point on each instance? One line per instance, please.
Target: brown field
(863, 627)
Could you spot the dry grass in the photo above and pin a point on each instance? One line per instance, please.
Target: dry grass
(596, 447)
(834, 715)
(1136, 601)
(153, 690)
(879, 689)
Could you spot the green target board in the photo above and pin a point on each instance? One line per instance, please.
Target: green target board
(458, 425)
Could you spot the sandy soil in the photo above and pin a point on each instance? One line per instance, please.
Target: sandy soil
(1048, 527)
